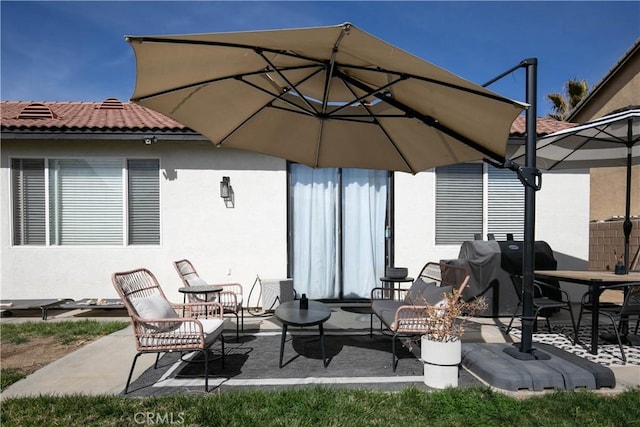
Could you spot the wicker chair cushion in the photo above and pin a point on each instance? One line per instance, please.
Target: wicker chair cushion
(435, 295)
(197, 281)
(386, 310)
(423, 293)
(185, 335)
(414, 294)
(156, 307)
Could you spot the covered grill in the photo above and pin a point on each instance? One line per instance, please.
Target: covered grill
(491, 265)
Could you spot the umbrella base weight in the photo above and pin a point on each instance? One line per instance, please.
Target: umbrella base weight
(559, 371)
(534, 354)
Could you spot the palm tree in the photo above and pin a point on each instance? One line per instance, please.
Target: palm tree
(562, 104)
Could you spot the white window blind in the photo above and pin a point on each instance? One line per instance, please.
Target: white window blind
(505, 204)
(459, 207)
(85, 202)
(82, 202)
(144, 202)
(29, 208)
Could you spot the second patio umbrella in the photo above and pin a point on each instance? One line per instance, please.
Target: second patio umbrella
(612, 140)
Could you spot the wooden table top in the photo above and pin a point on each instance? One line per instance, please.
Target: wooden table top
(585, 276)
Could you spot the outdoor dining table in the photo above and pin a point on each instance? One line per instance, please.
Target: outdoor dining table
(596, 281)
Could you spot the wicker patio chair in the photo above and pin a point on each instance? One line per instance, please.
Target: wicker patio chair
(157, 326)
(231, 296)
(404, 312)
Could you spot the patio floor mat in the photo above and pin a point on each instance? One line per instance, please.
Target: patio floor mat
(354, 360)
(561, 336)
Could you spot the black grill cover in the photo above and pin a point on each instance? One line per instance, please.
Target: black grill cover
(491, 264)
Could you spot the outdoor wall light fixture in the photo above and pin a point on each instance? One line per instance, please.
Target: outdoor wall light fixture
(225, 189)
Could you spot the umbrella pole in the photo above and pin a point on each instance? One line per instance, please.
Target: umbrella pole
(628, 225)
(526, 349)
(528, 175)
(529, 213)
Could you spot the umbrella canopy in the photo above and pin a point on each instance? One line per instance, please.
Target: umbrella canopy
(612, 140)
(325, 97)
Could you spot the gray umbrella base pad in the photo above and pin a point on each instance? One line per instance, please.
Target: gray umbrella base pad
(561, 370)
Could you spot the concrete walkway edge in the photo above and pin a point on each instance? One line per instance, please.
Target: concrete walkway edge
(101, 367)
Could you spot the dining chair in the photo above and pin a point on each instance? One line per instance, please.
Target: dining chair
(547, 300)
(619, 314)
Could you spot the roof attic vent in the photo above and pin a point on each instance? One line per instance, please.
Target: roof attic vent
(37, 111)
(111, 104)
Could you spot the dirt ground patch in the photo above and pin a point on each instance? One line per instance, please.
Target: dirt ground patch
(32, 355)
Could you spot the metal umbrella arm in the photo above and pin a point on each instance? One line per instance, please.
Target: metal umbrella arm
(426, 119)
(529, 177)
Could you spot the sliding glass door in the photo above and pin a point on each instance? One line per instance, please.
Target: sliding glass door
(337, 230)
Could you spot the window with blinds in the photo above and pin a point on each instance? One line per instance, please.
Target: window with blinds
(144, 202)
(85, 202)
(29, 204)
(505, 204)
(458, 203)
(461, 195)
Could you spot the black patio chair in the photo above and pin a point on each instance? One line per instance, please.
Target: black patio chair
(619, 314)
(547, 300)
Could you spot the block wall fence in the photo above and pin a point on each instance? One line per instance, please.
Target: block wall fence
(606, 244)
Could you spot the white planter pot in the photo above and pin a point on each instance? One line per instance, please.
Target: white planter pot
(441, 362)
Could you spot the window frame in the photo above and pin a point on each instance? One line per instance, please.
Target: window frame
(125, 213)
(488, 192)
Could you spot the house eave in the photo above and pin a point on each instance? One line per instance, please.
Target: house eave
(100, 135)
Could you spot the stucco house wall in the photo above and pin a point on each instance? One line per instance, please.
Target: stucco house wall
(226, 244)
(234, 244)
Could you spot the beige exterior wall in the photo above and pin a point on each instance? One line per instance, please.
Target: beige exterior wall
(606, 245)
(608, 185)
(621, 90)
(608, 193)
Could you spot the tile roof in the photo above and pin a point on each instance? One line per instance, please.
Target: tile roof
(112, 115)
(544, 126)
(88, 116)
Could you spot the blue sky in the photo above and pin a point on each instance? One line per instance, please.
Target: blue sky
(75, 51)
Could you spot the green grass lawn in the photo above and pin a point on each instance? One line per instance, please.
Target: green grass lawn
(312, 406)
(324, 406)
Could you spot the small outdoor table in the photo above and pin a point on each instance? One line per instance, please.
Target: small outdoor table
(205, 290)
(596, 281)
(391, 281)
(290, 313)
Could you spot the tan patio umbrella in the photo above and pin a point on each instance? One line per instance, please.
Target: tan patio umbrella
(333, 97)
(325, 97)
